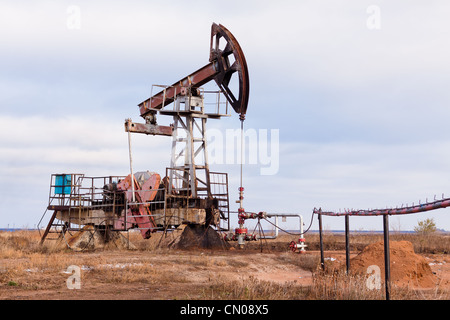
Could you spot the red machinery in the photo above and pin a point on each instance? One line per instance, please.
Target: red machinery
(144, 192)
(189, 193)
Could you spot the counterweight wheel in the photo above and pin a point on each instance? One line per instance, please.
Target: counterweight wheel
(229, 68)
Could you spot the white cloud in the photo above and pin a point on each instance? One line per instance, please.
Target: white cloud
(32, 148)
(362, 113)
(340, 176)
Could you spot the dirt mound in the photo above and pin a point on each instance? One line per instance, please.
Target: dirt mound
(407, 268)
(200, 237)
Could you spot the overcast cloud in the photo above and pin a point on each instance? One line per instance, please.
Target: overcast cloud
(361, 113)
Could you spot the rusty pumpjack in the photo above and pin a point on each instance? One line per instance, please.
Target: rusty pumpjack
(189, 193)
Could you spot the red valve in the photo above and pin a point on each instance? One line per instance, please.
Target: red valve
(241, 230)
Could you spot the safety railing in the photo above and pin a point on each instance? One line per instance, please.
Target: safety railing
(82, 201)
(77, 201)
(208, 102)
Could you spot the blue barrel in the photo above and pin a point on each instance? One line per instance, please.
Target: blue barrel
(63, 183)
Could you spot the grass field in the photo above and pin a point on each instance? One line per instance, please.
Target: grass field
(263, 270)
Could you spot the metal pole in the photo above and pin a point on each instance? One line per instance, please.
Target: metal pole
(322, 259)
(276, 227)
(242, 152)
(347, 243)
(387, 268)
(131, 160)
(241, 236)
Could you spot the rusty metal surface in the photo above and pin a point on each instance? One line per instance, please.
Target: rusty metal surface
(164, 97)
(145, 192)
(438, 204)
(148, 128)
(226, 71)
(219, 69)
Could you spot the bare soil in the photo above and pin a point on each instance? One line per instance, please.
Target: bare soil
(185, 274)
(168, 273)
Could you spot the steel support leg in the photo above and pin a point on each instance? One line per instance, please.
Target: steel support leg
(347, 244)
(387, 264)
(322, 259)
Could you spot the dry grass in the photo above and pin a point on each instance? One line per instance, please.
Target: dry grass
(24, 263)
(251, 289)
(326, 286)
(431, 243)
(306, 262)
(134, 274)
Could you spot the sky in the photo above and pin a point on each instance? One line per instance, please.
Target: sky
(353, 97)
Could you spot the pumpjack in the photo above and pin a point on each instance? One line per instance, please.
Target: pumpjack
(188, 193)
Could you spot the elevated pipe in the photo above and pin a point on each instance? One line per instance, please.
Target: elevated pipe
(439, 204)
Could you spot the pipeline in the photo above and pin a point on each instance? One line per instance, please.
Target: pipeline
(241, 234)
(428, 206)
(276, 229)
(294, 246)
(276, 215)
(438, 204)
